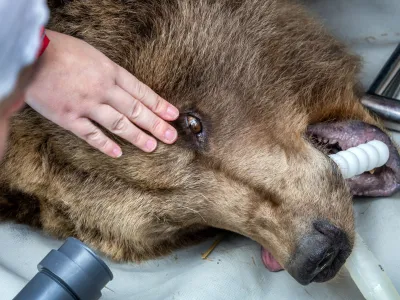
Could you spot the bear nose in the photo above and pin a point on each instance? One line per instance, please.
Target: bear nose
(320, 254)
(326, 260)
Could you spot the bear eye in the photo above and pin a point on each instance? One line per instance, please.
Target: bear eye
(194, 124)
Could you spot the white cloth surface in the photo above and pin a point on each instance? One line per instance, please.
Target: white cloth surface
(21, 21)
(234, 270)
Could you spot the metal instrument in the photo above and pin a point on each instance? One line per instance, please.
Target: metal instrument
(383, 97)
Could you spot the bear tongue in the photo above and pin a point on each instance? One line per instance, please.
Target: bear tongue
(269, 261)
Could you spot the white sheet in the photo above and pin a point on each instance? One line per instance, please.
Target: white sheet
(372, 29)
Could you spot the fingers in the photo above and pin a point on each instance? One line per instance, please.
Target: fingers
(120, 125)
(145, 95)
(143, 117)
(87, 131)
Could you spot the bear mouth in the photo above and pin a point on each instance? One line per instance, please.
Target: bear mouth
(332, 137)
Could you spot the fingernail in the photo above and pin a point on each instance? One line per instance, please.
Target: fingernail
(170, 135)
(151, 145)
(117, 152)
(172, 112)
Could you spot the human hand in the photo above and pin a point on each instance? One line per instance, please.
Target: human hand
(77, 84)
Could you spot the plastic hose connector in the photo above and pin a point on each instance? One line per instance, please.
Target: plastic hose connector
(369, 275)
(365, 157)
(73, 272)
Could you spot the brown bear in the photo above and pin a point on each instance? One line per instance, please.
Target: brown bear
(265, 93)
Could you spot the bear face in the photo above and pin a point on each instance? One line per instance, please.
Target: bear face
(265, 93)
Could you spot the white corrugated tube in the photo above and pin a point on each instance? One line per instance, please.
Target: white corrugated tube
(362, 265)
(365, 157)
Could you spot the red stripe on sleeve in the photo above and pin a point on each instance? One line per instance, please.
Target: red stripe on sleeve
(45, 42)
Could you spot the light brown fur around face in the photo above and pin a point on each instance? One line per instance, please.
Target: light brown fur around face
(256, 72)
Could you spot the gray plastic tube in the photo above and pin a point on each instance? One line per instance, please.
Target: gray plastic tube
(73, 272)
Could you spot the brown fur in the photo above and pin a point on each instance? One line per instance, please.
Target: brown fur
(257, 72)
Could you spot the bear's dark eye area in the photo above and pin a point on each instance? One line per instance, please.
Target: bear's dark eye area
(194, 124)
(193, 129)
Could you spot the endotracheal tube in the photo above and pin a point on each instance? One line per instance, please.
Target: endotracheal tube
(362, 265)
(365, 157)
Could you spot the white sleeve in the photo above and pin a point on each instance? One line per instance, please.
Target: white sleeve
(20, 39)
